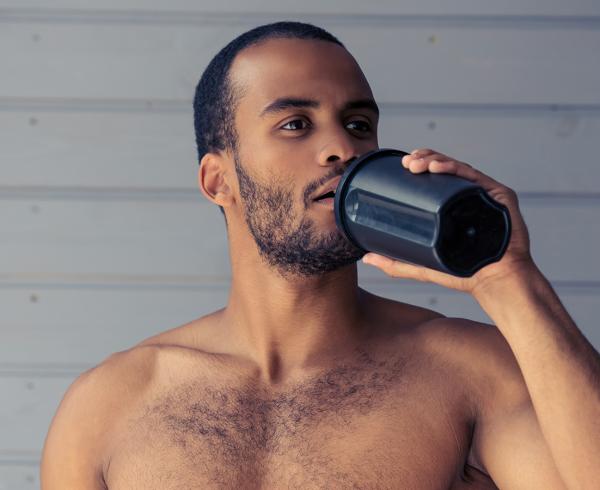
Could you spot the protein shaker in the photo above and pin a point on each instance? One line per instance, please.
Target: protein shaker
(440, 221)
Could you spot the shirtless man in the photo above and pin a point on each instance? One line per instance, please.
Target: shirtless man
(304, 380)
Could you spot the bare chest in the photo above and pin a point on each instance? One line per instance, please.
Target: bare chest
(345, 429)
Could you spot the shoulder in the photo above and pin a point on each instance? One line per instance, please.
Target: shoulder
(198, 334)
(476, 353)
(108, 387)
(445, 337)
(480, 350)
(79, 434)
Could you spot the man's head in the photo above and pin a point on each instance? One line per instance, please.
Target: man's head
(215, 98)
(279, 113)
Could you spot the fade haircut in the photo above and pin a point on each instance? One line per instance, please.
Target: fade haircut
(216, 99)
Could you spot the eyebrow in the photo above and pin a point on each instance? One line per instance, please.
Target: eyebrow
(283, 103)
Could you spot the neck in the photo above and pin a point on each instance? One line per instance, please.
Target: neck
(289, 324)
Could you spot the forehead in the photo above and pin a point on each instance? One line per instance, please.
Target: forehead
(314, 69)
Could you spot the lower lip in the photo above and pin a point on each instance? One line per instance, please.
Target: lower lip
(327, 202)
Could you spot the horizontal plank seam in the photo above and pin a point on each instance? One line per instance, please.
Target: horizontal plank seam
(19, 457)
(19, 462)
(30, 371)
(109, 281)
(183, 17)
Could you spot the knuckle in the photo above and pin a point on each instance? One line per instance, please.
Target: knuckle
(422, 151)
(506, 189)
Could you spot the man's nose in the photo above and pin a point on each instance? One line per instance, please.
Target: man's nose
(339, 148)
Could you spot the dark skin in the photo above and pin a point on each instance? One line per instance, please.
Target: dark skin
(307, 381)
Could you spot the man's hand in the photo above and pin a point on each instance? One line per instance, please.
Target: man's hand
(517, 258)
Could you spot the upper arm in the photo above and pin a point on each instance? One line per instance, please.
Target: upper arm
(78, 446)
(513, 451)
(70, 457)
(507, 441)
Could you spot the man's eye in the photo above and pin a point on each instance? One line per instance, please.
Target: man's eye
(360, 125)
(295, 124)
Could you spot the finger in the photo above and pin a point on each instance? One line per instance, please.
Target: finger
(440, 157)
(408, 159)
(421, 152)
(465, 171)
(418, 165)
(414, 164)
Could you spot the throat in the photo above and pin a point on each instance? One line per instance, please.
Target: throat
(311, 327)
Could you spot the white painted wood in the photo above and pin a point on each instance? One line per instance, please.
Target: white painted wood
(96, 149)
(19, 477)
(530, 153)
(87, 240)
(84, 325)
(56, 238)
(374, 7)
(26, 415)
(141, 150)
(404, 64)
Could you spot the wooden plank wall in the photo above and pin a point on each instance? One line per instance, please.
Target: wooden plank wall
(105, 239)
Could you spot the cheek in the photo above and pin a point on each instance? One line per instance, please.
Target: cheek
(278, 163)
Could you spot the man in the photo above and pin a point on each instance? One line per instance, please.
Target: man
(305, 380)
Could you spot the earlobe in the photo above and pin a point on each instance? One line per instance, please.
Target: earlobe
(212, 180)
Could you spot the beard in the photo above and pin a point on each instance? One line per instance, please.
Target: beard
(298, 250)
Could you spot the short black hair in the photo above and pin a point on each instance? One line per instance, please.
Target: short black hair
(215, 99)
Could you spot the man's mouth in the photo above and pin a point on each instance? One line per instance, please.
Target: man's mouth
(326, 200)
(326, 196)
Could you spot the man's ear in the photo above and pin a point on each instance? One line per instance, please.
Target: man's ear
(213, 179)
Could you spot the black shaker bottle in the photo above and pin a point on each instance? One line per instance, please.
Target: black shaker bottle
(440, 221)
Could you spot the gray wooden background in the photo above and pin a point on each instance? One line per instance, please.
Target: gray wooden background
(104, 237)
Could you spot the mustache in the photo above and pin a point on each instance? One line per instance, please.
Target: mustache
(313, 186)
